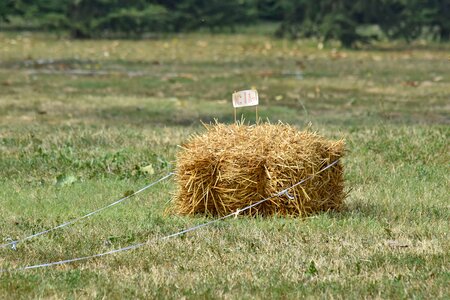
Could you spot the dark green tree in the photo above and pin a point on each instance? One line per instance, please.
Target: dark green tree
(6, 9)
(48, 13)
(212, 14)
(327, 19)
(91, 18)
(342, 19)
(270, 10)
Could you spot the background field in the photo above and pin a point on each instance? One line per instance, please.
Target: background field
(79, 120)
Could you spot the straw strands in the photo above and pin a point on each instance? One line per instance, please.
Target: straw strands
(231, 166)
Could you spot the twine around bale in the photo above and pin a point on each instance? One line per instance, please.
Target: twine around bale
(231, 166)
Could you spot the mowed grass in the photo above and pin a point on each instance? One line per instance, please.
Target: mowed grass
(97, 112)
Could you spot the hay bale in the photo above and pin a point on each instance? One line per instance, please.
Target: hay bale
(232, 166)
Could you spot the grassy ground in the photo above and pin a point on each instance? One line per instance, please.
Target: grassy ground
(96, 112)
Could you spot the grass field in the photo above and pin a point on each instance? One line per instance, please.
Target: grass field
(80, 119)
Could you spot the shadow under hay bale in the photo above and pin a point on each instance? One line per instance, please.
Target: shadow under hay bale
(232, 166)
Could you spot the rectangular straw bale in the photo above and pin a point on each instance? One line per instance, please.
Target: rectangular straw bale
(232, 166)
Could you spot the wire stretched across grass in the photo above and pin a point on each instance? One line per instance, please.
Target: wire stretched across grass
(135, 246)
(68, 223)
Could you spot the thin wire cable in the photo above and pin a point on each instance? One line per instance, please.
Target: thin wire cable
(131, 247)
(14, 243)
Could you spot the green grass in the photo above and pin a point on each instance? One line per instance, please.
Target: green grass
(99, 111)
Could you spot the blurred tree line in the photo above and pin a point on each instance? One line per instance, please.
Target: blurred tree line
(349, 21)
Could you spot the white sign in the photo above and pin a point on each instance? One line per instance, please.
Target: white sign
(245, 98)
